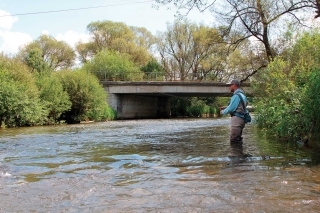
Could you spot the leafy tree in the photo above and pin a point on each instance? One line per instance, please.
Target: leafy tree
(210, 53)
(191, 52)
(245, 62)
(259, 19)
(117, 36)
(305, 56)
(54, 98)
(87, 96)
(111, 65)
(86, 51)
(287, 103)
(278, 99)
(143, 38)
(20, 104)
(309, 122)
(153, 70)
(35, 61)
(107, 34)
(47, 52)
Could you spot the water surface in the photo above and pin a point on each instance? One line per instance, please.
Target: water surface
(170, 165)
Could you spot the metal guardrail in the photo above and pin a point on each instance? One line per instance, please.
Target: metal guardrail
(154, 76)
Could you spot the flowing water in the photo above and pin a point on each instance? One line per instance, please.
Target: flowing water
(170, 165)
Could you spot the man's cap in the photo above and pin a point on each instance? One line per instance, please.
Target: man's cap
(234, 81)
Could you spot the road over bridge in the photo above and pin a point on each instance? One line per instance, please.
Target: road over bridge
(152, 99)
(167, 88)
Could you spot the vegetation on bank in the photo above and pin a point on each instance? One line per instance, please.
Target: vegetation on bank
(41, 98)
(288, 92)
(196, 107)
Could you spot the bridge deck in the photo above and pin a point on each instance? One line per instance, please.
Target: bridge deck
(190, 89)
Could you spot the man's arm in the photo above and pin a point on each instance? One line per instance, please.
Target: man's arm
(234, 102)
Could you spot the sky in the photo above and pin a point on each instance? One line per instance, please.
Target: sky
(24, 21)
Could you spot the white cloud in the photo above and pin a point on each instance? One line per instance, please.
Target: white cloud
(71, 37)
(45, 32)
(6, 20)
(13, 40)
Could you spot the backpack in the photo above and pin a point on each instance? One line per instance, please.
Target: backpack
(247, 117)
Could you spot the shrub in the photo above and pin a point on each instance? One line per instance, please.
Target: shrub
(110, 65)
(288, 90)
(55, 99)
(310, 110)
(88, 98)
(20, 104)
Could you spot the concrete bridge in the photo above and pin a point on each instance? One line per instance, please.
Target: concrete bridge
(152, 99)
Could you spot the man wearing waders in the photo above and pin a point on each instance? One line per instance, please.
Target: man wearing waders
(236, 110)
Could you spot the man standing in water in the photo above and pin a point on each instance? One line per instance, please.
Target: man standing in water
(236, 110)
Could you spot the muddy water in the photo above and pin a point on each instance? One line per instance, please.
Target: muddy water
(182, 165)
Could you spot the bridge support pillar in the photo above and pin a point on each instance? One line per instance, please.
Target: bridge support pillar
(138, 106)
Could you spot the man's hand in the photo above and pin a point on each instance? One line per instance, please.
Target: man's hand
(222, 108)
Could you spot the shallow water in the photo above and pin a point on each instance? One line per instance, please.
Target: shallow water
(170, 165)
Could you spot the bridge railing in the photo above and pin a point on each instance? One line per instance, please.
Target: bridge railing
(154, 76)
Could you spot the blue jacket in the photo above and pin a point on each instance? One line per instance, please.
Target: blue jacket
(235, 106)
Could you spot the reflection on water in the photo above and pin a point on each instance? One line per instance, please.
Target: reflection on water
(182, 165)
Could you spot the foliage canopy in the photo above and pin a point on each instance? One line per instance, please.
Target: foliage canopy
(112, 65)
(288, 92)
(47, 53)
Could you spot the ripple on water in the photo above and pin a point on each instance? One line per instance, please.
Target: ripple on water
(174, 165)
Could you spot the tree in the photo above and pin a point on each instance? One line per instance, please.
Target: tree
(35, 61)
(288, 91)
(256, 18)
(245, 61)
(153, 70)
(305, 56)
(117, 36)
(47, 52)
(210, 53)
(87, 96)
(86, 51)
(260, 19)
(55, 99)
(114, 66)
(108, 34)
(20, 104)
(191, 52)
(309, 121)
(143, 38)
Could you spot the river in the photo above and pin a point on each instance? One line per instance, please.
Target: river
(169, 165)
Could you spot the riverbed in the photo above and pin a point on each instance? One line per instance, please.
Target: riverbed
(165, 165)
